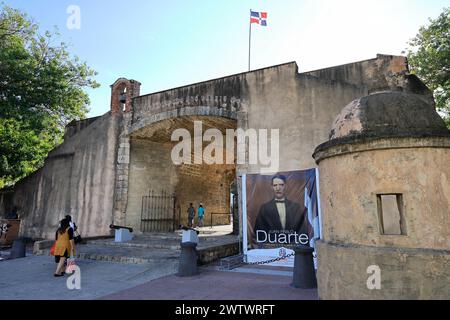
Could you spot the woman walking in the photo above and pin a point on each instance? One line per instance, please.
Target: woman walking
(65, 246)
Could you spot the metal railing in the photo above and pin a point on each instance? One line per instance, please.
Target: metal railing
(158, 212)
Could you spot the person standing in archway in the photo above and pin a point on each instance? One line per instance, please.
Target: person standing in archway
(201, 214)
(191, 214)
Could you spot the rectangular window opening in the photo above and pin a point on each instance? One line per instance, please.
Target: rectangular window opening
(390, 214)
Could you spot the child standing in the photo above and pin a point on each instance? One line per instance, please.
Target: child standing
(201, 214)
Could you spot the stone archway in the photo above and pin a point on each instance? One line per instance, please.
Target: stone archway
(152, 170)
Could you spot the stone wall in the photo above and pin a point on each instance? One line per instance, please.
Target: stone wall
(414, 274)
(77, 179)
(381, 73)
(387, 166)
(210, 254)
(6, 201)
(76, 126)
(304, 106)
(156, 116)
(301, 106)
(223, 93)
(151, 169)
(90, 177)
(412, 249)
(206, 184)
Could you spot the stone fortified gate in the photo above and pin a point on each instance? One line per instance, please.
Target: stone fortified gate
(117, 167)
(152, 193)
(384, 174)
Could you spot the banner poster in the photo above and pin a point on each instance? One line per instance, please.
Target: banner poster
(282, 212)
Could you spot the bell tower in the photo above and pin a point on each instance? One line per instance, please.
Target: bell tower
(122, 93)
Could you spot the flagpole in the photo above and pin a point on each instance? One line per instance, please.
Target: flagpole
(249, 38)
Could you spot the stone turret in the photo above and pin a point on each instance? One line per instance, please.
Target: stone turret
(385, 190)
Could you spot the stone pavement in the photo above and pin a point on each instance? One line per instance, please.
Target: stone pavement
(145, 269)
(212, 284)
(31, 278)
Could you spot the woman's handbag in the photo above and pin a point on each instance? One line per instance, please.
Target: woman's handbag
(77, 238)
(52, 249)
(70, 265)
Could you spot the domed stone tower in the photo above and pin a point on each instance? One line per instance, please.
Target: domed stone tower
(385, 192)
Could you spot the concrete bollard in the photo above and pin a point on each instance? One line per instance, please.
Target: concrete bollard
(188, 260)
(18, 249)
(304, 274)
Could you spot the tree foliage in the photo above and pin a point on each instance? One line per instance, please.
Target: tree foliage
(429, 58)
(41, 90)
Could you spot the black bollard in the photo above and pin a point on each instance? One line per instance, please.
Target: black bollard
(304, 273)
(188, 260)
(18, 249)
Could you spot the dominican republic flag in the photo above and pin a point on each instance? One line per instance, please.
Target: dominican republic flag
(259, 18)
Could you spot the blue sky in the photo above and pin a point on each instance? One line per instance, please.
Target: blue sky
(166, 44)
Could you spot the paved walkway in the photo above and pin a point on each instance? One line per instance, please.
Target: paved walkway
(31, 278)
(212, 284)
(150, 274)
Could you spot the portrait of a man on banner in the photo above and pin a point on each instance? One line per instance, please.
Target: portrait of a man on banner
(281, 209)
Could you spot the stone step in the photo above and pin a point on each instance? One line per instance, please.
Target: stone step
(122, 259)
(231, 262)
(149, 244)
(148, 248)
(123, 254)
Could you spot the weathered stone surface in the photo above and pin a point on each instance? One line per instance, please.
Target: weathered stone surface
(397, 170)
(76, 126)
(414, 274)
(122, 164)
(374, 165)
(356, 145)
(302, 106)
(384, 73)
(388, 114)
(132, 88)
(77, 179)
(151, 169)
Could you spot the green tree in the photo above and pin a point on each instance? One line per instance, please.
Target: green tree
(429, 58)
(41, 90)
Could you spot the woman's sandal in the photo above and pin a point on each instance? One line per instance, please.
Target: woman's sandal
(58, 275)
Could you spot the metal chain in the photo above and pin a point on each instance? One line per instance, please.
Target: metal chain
(272, 260)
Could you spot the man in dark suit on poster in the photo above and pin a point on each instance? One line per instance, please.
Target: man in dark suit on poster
(280, 216)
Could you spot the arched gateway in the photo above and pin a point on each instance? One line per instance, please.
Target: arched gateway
(384, 173)
(112, 168)
(158, 190)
